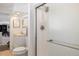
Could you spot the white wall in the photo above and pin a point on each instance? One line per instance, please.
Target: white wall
(4, 17)
(64, 26)
(64, 22)
(31, 31)
(6, 8)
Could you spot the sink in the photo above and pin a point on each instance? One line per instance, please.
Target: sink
(19, 34)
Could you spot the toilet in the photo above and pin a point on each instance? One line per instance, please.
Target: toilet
(20, 51)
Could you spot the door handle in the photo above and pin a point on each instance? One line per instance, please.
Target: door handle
(42, 27)
(50, 40)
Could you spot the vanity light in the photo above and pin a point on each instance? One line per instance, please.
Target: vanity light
(17, 12)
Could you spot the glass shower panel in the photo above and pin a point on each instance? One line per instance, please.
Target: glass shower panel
(63, 29)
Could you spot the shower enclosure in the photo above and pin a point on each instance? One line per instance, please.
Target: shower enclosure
(57, 29)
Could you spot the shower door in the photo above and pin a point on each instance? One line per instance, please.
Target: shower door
(58, 29)
(42, 30)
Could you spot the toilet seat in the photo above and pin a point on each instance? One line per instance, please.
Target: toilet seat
(19, 50)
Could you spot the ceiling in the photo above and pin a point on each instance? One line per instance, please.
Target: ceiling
(6, 8)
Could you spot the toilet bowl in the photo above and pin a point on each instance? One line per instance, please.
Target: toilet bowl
(20, 51)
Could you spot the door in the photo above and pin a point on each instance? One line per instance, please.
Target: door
(58, 29)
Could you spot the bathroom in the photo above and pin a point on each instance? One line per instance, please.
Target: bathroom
(42, 29)
(13, 29)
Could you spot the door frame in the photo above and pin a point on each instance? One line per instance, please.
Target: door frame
(36, 26)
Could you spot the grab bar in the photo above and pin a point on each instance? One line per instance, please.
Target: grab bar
(73, 46)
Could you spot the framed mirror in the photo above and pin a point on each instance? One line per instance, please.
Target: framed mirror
(16, 23)
(24, 22)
